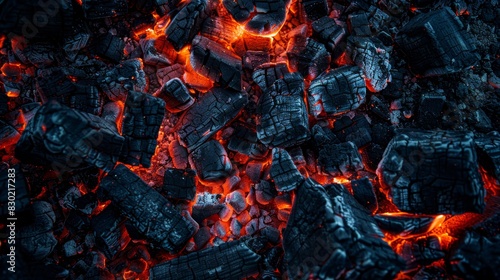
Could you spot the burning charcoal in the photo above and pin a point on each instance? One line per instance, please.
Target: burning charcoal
(476, 257)
(235, 227)
(94, 9)
(214, 61)
(322, 231)
(202, 237)
(186, 24)
(36, 238)
(211, 162)
(337, 91)
(110, 47)
(251, 42)
(14, 191)
(254, 170)
(285, 174)
(176, 95)
(328, 32)
(253, 59)
(178, 154)
(420, 181)
(170, 72)
(71, 248)
(431, 107)
(423, 251)
(264, 192)
(151, 55)
(231, 260)
(364, 193)
(150, 213)
(212, 111)
(307, 56)
(237, 201)
(179, 184)
(340, 159)
(405, 225)
(359, 25)
(206, 205)
(489, 151)
(265, 75)
(110, 233)
(315, 9)
(244, 140)
(86, 203)
(436, 43)
(431, 272)
(128, 75)
(323, 136)
(373, 58)
(66, 138)
(220, 30)
(112, 112)
(141, 123)
(378, 20)
(282, 119)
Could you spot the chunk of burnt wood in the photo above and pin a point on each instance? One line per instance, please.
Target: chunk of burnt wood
(110, 233)
(211, 162)
(264, 192)
(326, 31)
(117, 81)
(265, 75)
(67, 138)
(221, 30)
(307, 56)
(212, 111)
(179, 184)
(323, 136)
(430, 110)
(436, 43)
(170, 72)
(141, 123)
(214, 61)
(488, 148)
(371, 56)
(364, 193)
(185, 24)
(422, 251)
(14, 191)
(206, 205)
(315, 9)
(153, 54)
(244, 140)
(231, 260)
(149, 212)
(110, 47)
(432, 172)
(358, 24)
(340, 159)
(36, 239)
(178, 154)
(176, 95)
(357, 130)
(282, 119)
(337, 91)
(405, 225)
(95, 9)
(283, 171)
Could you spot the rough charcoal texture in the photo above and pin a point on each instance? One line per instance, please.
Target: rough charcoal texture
(110, 47)
(326, 31)
(405, 225)
(436, 43)
(141, 123)
(307, 56)
(430, 109)
(211, 162)
(283, 171)
(432, 172)
(315, 9)
(207, 204)
(356, 129)
(110, 233)
(228, 261)
(329, 235)
(489, 151)
(18, 186)
(265, 75)
(214, 61)
(336, 92)
(244, 140)
(212, 111)
(95, 9)
(66, 138)
(364, 193)
(117, 81)
(149, 212)
(422, 251)
(340, 159)
(179, 184)
(186, 24)
(176, 95)
(282, 119)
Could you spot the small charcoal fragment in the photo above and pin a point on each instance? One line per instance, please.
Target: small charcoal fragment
(117, 81)
(283, 171)
(211, 162)
(176, 95)
(307, 56)
(364, 193)
(340, 159)
(179, 184)
(110, 233)
(328, 32)
(184, 26)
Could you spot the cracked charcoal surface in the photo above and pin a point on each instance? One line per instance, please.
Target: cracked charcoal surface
(176, 95)
(265, 75)
(214, 61)
(489, 150)
(95, 9)
(244, 140)
(117, 81)
(307, 56)
(436, 43)
(186, 24)
(423, 251)
(110, 233)
(141, 123)
(364, 193)
(404, 224)
(206, 205)
(179, 184)
(212, 111)
(149, 212)
(283, 171)
(110, 47)
(282, 119)
(340, 159)
(66, 138)
(337, 91)
(228, 261)
(328, 32)
(211, 162)
(432, 172)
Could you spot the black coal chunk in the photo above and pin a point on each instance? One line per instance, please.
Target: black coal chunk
(186, 23)
(207, 204)
(315, 9)
(110, 233)
(244, 140)
(67, 138)
(149, 212)
(307, 56)
(110, 47)
(212, 111)
(179, 184)
(436, 43)
(94, 9)
(357, 130)
(176, 95)
(407, 224)
(329, 235)
(364, 193)
(141, 123)
(211, 162)
(117, 81)
(283, 171)
(422, 251)
(14, 191)
(214, 61)
(265, 75)
(282, 119)
(328, 32)
(430, 110)
(340, 159)
(231, 260)
(489, 150)
(432, 172)
(337, 91)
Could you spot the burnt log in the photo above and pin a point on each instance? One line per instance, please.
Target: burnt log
(186, 23)
(283, 171)
(211, 162)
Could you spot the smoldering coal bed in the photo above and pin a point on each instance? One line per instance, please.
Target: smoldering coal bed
(250, 139)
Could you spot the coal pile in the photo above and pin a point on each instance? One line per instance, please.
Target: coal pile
(250, 139)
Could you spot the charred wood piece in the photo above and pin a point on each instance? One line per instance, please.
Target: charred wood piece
(95, 9)
(149, 212)
(283, 171)
(117, 81)
(179, 184)
(186, 24)
(406, 225)
(176, 95)
(326, 31)
(488, 148)
(307, 56)
(432, 172)
(211, 162)
(357, 130)
(179, 154)
(430, 110)
(340, 159)
(206, 205)
(422, 251)
(220, 30)
(13, 186)
(152, 53)
(244, 140)
(110, 233)
(265, 75)
(364, 193)
(315, 9)
(110, 47)
(359, 25)
(170, 72)
(36, 239)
